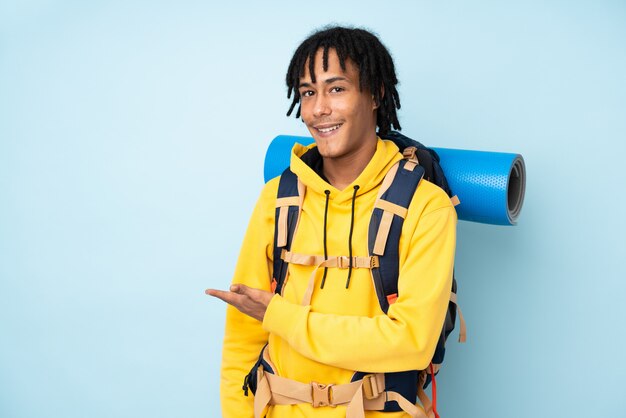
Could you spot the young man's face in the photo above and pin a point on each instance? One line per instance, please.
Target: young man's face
(340, 117)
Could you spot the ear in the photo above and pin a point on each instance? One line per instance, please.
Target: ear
(377, 103)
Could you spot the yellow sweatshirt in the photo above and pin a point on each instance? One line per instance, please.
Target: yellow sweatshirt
(343, 330)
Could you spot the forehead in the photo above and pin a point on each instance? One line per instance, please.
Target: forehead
(332, 69)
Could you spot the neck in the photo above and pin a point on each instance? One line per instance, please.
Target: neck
(342, 171)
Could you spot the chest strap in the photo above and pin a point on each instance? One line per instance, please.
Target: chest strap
(342, 261)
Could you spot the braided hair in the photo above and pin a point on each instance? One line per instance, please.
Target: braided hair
(364, 49)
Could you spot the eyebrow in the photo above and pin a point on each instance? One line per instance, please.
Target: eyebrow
(327, 81)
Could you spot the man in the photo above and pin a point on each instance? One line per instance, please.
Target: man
(326, 324)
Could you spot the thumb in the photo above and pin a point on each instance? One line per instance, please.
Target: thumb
(239, 288)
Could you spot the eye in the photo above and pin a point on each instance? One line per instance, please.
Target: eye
(336, 89)
(306, 93)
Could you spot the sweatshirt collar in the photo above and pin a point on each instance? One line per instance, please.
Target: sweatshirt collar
(386, 155)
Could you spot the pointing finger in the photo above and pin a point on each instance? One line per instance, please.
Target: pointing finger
(227, 297)
(212, 292)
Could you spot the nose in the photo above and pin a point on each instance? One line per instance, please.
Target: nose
(322, 106)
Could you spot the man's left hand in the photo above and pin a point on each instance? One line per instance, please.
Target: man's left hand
(253, 302)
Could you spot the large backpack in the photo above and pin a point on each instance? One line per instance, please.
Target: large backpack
(429, 160)
(384, 235)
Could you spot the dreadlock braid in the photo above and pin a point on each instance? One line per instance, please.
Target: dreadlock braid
(364, 49)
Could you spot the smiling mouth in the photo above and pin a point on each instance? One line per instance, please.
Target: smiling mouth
(329, 129)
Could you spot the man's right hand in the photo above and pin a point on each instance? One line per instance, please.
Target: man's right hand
(252, 302)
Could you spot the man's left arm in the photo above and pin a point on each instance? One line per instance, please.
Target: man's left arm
(406, 337)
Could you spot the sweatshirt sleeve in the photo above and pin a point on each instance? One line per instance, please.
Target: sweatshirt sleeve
(244, 336)
(405, 338)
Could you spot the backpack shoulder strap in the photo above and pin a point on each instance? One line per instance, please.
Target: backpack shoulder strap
(288, 207)
(428, 158)
(390, 209)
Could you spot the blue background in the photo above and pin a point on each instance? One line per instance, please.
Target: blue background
(132, 137)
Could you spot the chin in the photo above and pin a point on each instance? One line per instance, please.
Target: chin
(328, 150)
(332, 154)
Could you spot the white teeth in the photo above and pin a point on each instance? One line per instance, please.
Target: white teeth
(332, 128)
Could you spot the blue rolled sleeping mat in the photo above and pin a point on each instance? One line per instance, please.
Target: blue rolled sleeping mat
(490, 185)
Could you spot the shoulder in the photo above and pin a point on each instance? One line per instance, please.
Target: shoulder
(266, 203)
(270, 190)
(431, 216)
(429, 198)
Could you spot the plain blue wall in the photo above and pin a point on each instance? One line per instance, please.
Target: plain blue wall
(119, 122)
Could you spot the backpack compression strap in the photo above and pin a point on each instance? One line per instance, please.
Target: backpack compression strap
(288, 207)
(390, 209)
